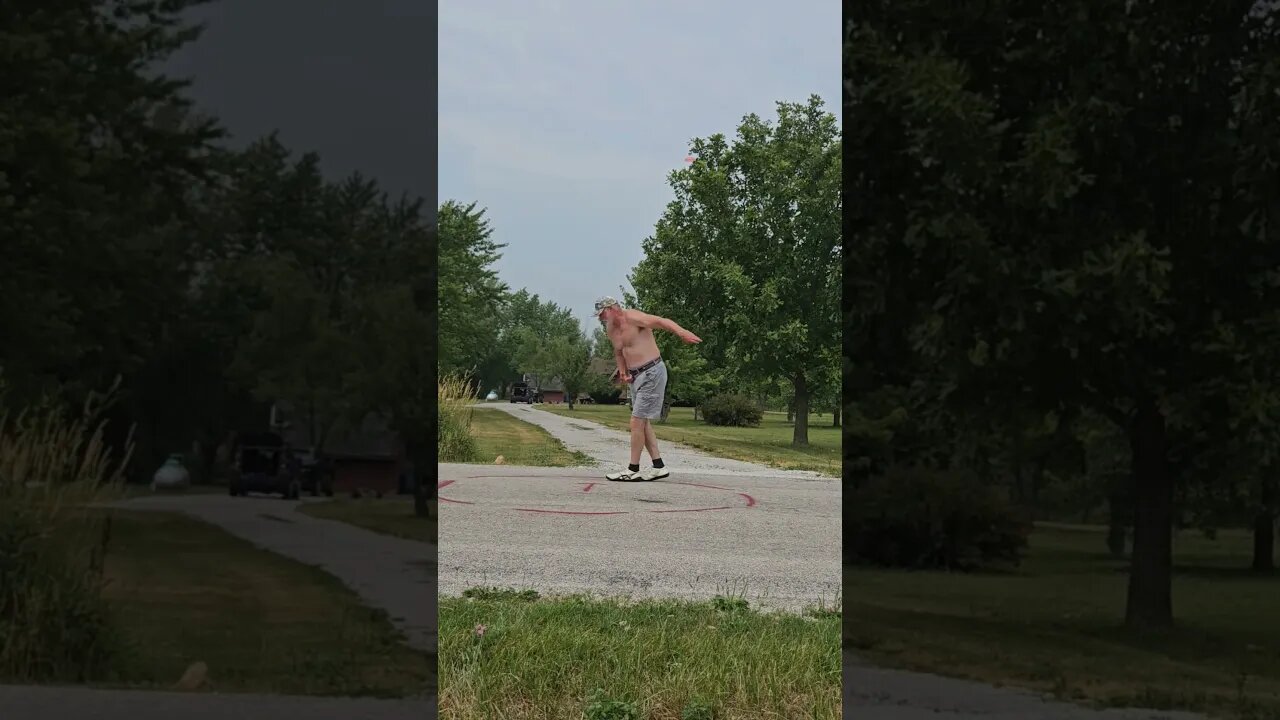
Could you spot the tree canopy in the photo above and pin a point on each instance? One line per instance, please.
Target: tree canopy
(1054, 221)
(748, 252)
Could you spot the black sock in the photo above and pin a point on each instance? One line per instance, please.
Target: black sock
(657, 463)
(634, 467)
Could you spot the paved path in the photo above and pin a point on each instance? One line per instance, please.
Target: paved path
(78, 703)
(611, 448)
(774, 540)
(875, 694)
(390, 573)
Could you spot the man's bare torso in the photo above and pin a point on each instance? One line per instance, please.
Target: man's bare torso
(634, 342)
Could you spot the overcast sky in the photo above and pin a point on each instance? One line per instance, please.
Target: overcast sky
(563, 117)
(353, 81)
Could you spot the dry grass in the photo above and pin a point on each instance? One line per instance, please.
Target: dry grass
(184, 591)
(519, 443)
(455, 396)
(54, 624)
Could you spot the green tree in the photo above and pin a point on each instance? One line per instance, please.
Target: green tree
(471, 295)
(394, 322)
(565, 358)
(524, 323)
(96, 191)
(748, 253)
(300, 352)
(691, 378)
(601, 346)
(1086, 225)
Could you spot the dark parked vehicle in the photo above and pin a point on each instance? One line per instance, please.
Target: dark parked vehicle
(264, 464)
(522, 393)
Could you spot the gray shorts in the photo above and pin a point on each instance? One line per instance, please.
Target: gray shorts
(648, 389)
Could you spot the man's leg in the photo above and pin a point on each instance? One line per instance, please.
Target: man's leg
(638, 432)
(637, 445)
(651, 442)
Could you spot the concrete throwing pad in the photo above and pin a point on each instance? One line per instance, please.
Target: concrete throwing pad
(772, 540)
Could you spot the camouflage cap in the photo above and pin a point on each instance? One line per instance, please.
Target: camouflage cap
(605, 302)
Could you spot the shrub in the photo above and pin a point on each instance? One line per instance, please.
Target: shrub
(924, 518)
(55, 623)
(732, 410)
(454, 398)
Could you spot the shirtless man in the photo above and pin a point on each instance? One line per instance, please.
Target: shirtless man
(640, 364)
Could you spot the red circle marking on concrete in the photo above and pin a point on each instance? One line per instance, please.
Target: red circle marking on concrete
(447, 483)
(750, 501)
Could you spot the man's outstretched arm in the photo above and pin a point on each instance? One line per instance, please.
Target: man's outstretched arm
(660, 323)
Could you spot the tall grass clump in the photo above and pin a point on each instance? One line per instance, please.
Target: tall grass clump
(454, 398)
(55, 624)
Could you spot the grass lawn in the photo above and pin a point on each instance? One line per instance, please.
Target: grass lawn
(518, 442)
(388, 515)
(546, 659)
(185, 591)
(769, 444)
(1055, 625)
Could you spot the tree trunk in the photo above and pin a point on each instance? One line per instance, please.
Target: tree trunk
(311, 423)
(1264, 542)
(800, 434)
(421, 497)
(1150, 601)
(1120, 515)
(1036, 481)
(423, 491)
(1019, 483)
(1117, 534)
(666, 411)
(1264, 530)
(835, 417)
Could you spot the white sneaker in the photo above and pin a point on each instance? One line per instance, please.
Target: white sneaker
(625, 476)
(656, 473)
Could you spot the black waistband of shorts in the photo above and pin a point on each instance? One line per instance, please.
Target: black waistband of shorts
(646, 366)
